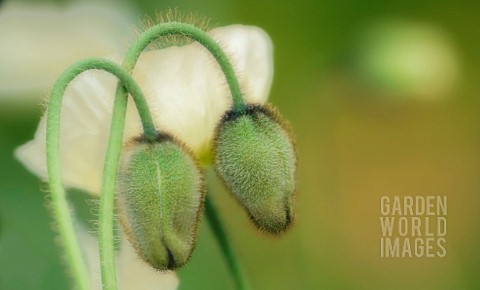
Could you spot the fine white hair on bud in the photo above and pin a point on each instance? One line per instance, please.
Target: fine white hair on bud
(160, 194)
(255, 156)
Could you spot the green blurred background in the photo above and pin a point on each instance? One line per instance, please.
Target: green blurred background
(384, 99)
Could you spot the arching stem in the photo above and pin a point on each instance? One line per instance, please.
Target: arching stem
(194, 33)
(58, 200)
(106, 210)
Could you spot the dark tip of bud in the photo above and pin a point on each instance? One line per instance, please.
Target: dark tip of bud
(160, 192)
(255, 156)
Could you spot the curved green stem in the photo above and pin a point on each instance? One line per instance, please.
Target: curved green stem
(59, 203)
(106, 210)
(228, 253)
(195, 33)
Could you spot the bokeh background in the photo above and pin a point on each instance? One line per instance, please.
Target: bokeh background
(384, 99)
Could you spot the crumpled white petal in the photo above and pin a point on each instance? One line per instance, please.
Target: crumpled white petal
(38, 41)
(186, 92)
(132, 273)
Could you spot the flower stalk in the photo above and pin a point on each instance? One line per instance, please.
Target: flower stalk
(196, 34)
(106, 210)
(58, 200)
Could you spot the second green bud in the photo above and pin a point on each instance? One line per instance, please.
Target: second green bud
(256, 158)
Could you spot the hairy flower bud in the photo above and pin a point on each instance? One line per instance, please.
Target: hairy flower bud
(160, 200)
(255, 156)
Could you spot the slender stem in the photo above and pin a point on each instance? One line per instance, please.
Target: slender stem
(195, 33)
(106, 210)
(59, 203)
(228, 253)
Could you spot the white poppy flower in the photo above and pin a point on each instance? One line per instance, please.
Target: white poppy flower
(39, 41)
(187, 94)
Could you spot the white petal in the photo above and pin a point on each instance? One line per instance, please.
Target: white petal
(38, 41)
(186, 92)
(132, 273)
(251, 52)
(136, 274)
(85, 125)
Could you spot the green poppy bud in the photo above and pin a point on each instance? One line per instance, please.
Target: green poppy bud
(256, 158)
(160, 194)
